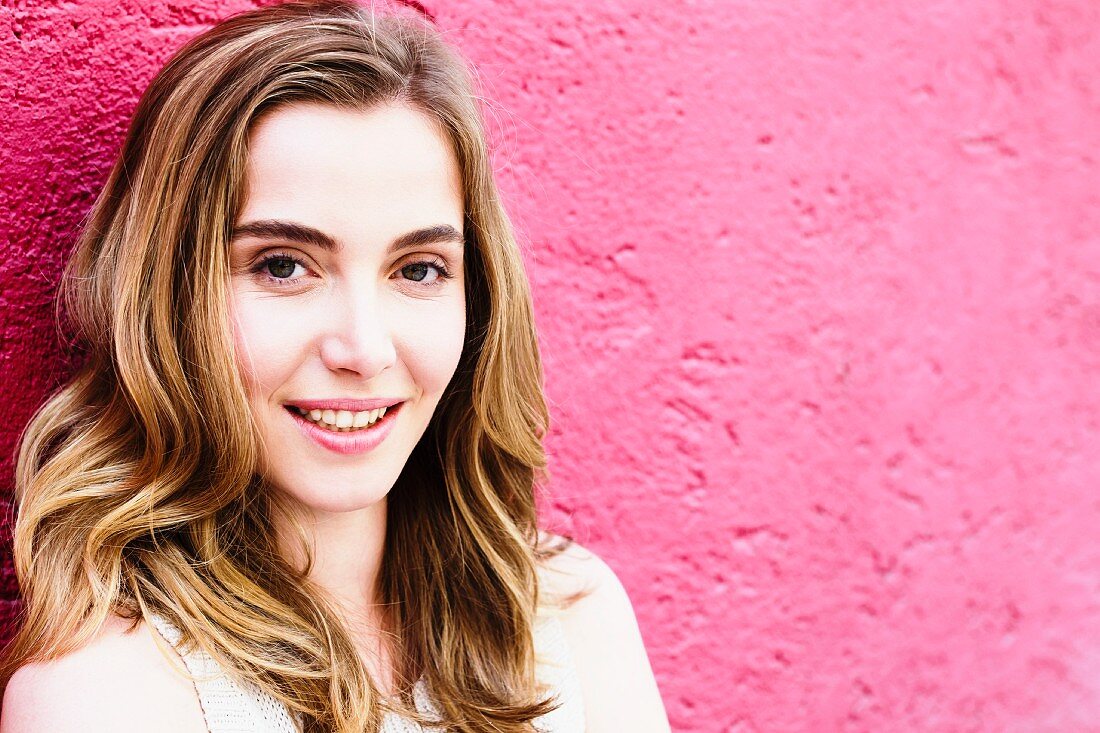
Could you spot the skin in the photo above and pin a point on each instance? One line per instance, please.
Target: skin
(355, 322)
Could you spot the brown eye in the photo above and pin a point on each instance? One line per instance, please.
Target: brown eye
(420, 272)
(281, 267)
(417, 271)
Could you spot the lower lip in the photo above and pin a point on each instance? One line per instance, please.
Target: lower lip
(352, 442)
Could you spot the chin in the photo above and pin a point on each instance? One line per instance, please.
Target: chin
(336, 498)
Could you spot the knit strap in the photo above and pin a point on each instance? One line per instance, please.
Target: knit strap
(238, 706)
(554, 668)
(229, 705)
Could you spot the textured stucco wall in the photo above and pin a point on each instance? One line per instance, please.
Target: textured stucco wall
(819, 292)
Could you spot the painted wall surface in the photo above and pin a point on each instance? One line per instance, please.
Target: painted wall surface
(818, 286)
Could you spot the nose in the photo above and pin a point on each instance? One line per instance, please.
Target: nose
(357, 338)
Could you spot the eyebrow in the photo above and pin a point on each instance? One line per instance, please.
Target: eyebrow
(295, 232)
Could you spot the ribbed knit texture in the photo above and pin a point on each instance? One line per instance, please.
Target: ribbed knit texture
(232, 706)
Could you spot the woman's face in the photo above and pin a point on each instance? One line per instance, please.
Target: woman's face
(347, 295)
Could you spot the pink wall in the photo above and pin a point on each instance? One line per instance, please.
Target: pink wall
(819, 292)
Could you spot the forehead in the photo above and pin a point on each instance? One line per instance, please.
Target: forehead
(368, 173)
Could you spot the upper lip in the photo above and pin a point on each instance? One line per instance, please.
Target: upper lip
(345, 403)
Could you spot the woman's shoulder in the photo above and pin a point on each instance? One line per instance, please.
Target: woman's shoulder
(604, 640)
(569, 572)
(124, 679)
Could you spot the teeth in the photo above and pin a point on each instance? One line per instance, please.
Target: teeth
(343, 420)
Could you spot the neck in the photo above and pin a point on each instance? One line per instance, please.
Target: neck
(347, 550)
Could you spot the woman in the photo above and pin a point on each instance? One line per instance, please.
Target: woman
(292, 488)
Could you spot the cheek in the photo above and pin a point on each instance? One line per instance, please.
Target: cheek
(431, 348)
(264, 351)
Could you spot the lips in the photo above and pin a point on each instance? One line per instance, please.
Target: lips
(341, 403)
(350, 442)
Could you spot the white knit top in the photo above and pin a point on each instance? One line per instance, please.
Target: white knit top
(230, 706)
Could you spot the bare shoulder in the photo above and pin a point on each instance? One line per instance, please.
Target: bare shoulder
(120, 681)
(572, 573)
(617, 682)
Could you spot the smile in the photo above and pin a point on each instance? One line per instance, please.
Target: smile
(344, 431)
(342, 421)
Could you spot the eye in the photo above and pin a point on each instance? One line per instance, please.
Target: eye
(420, 272)
(280, 268)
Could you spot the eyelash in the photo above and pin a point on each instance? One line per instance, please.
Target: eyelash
(260, 268)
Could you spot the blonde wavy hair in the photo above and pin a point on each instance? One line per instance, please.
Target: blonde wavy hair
(135, 483)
